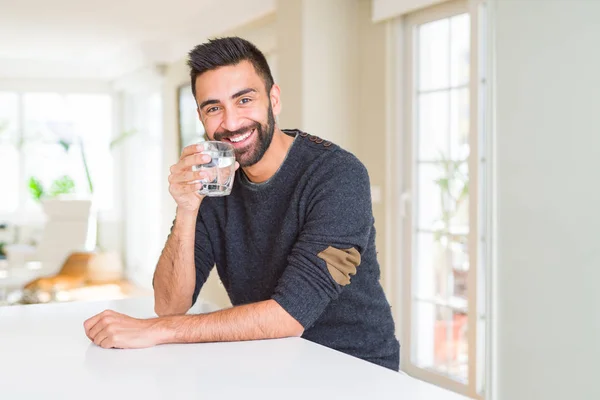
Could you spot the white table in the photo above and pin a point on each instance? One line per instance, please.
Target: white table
(44, 353)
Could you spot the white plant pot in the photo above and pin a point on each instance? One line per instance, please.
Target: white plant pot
(70, 227)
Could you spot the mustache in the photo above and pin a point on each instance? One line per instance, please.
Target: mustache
(225, 134)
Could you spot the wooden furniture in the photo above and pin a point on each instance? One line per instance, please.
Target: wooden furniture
(81, 269)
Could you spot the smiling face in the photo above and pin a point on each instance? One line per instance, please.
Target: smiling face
(234, 107)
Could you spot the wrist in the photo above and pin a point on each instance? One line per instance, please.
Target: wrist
(185, 220)
(183, 214)
(165, 330)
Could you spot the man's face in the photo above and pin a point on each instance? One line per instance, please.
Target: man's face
(235, 108)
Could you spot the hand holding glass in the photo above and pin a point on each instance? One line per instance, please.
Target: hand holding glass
(220, 169)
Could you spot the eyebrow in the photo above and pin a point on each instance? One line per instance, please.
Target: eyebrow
(235, 95)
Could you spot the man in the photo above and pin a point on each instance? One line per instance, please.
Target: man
(294, 242)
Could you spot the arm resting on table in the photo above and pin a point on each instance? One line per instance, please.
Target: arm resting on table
(262, 320)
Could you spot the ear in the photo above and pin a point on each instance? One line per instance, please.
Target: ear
(275, 99)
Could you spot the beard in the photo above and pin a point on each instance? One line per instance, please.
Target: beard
(255, 151)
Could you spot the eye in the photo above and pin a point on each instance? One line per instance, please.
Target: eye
(245, 100)
(211, 110)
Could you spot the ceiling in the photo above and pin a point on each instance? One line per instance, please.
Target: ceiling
(106, 39)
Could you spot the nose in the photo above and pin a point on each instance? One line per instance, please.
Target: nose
(231, 120)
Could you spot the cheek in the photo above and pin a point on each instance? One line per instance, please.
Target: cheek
(211, 125)
(250, 113)
(257, 114)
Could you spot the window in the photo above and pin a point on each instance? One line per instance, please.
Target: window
(444, 171)
(47, 136)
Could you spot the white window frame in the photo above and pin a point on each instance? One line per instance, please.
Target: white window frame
(399, 155)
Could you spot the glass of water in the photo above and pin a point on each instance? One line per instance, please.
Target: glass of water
(220, 169)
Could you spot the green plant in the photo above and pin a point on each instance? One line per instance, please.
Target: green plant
(62, 185)
(121, 138)
(36, 188)
(453, 184)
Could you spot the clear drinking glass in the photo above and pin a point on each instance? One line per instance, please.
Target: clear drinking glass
(220, 169)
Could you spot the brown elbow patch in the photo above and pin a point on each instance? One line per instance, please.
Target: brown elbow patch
(341, 264)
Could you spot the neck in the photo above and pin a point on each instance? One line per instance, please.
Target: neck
(272, 159)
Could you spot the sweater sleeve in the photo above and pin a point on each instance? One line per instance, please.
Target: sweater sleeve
(338, 222)
(204, 259)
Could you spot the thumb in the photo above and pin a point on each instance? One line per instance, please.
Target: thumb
(237, 165)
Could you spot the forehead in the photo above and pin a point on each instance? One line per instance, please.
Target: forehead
(222, 82)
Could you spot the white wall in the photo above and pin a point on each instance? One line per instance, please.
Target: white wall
(548, 165)
(318, 73)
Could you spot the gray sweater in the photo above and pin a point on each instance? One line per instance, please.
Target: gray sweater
(306, 239)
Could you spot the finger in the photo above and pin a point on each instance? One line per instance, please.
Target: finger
(101, 320)
(185, 163)
(109, 342)
(194, 159)
(101, 336)
(103, 323)
(185, 188)
(237, 165)
(191, 149)
(91, 322)
(188, 176)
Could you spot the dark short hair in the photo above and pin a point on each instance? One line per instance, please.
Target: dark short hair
(226, 51)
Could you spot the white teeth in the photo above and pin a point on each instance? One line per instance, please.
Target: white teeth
(240, 138)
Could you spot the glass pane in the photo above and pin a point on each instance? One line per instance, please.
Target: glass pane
(431, 272)
(441, 340)
(433, 128)
(458, 197)
(441, 268)
(451, 344)
(459, 50)
(433, 67)
(459, 124)
(429, 202)
(459, 261)
(56, 127)
(442, 201)
(423, 334)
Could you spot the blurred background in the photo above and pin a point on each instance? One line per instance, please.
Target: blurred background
(476, 119)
